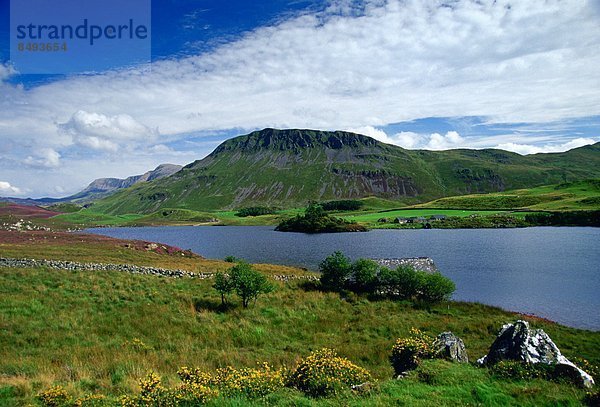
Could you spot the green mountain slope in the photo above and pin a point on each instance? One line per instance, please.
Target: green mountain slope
(578, 195)
(290, 167)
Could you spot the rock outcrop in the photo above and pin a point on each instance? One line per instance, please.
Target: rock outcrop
(451, 347)
(520, 343)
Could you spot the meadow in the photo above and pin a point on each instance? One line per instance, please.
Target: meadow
(101, 332)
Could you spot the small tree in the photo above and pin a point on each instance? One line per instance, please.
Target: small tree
(364, 275)
(248, 283)
(335, 270)
(223, 285)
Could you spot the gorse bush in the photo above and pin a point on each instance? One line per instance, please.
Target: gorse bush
(324, 373)
(366, 276)
(230, 382)
(407, 353)
(152, 393)
(55, 396)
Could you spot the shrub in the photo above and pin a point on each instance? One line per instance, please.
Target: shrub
(55, 396)
(324, 373)
(364, 276)
(434, 288)
(93, 400)
(335, 270)
(223, 285)
(232, 259)
(251, 383)
(248, 283)
(511, 369)
(153, 394)
(255, 211)
(342, 205)
(408, 352)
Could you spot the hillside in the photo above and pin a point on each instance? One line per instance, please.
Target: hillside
(101, 187)
(287, 168)
(579, 195)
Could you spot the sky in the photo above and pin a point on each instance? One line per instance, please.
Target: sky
(521, 76)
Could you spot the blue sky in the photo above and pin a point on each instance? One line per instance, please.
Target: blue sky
(418, 74)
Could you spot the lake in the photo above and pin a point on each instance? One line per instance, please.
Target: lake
(547, 271)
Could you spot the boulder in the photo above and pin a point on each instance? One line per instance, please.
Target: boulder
(451, 347)
(520, 343)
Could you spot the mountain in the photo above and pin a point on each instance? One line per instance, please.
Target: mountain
(290, 167)
(102, 187)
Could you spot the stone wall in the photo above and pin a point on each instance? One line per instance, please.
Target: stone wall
(126, 268)
(419, 263)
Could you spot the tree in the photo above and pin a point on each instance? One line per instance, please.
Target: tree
(223, 285)
(248, 283)
(335, 270)
(364, 275)
(435, 288)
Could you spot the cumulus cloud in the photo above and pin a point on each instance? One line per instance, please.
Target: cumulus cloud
(444, 142)
(6, 71)
(347, 67)
(548, 148)
(101, 132)
(7, 188)
(43, 158)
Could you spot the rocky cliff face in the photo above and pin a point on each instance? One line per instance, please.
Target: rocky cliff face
(103, 187)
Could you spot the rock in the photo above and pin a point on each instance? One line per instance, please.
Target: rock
(363, 387)
(520, 343)
(451, 347)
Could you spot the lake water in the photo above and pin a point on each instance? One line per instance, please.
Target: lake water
(550, 272)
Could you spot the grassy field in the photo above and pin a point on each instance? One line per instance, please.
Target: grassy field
(101, 332)
(582, 195)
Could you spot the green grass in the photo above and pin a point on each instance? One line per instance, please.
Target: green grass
(88, 217)
(415, 212)
(581, 195)
(77, 329)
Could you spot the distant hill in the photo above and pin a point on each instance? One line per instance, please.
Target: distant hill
(291, 167)
(102, 187)
(578, 195)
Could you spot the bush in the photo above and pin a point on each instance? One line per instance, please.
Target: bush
(511, 369)
(153, 394)
(364, 276)
(407, 353)
(255, 211)
(324, 373)
(55, 396)
(248, 283)
(223, 285)
(343, 205)
(335, 270)
(434, 288)
(251, 383)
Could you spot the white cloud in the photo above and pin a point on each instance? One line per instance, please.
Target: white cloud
(101, 132)
(382, 63)
(7, 188)
(443, 142)
(548, 148)
(371, 131)
(44, 158)
(6, 71)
